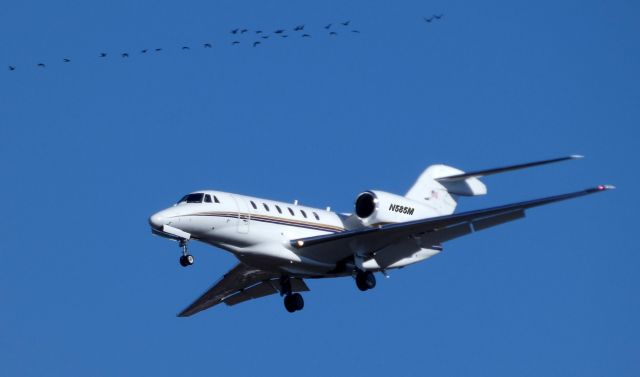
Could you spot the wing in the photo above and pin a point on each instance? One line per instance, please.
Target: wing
(437, 229)
(241, 284)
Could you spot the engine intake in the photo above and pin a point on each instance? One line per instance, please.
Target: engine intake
(365, 205)
(379, 208)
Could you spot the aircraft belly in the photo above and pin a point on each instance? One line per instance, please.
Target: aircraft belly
(267, 244)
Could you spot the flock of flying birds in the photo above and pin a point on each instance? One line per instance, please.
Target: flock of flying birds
(242, 35)
(299, 30)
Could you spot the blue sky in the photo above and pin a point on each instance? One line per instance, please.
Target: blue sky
(89, 149)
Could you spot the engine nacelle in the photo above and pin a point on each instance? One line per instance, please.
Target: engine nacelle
(378, 208)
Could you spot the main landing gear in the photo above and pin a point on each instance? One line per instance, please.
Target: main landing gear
(292, 301)
(365, 280)
(186, 259)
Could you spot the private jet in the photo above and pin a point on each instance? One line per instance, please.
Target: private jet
(279, 245)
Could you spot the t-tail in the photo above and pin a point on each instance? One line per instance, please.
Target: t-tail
(439, 185)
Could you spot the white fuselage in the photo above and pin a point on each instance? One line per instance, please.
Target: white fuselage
(257, 231)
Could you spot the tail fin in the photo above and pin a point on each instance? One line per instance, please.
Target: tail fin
(439, 185)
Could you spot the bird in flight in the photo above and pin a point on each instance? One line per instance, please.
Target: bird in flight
(306, 35)
(265, 37)
(333, 33)
(284, 36)
(207, 45)
(158, 49)
(234, 31)
(103, 54)
(144, 51)
(279, 31)
(66, 60)
(428, 19)
(12, 68)
(346, 23)
(41, 65)
(299, 28)
(328, 26)
(244, 31)
(256, 43)
(258, 31)
(355, 31)
(438, 16)
(186, 48)
(235, 43)
(125, 55)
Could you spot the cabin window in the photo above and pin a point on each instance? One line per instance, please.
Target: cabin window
(207, 198)
(266, 206)
(316, 216)
(253, 205)
(303, 213)
(291, 211)
(279, 210)
(215, 199)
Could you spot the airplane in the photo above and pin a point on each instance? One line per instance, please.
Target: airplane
(279, 245)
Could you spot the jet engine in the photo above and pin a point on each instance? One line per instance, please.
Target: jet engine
(376, 208)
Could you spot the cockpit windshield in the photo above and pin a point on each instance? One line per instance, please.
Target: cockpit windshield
(192, 198)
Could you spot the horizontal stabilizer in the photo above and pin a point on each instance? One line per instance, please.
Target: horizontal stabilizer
(482, 173)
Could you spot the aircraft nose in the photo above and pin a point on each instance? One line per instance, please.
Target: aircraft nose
(157, 220)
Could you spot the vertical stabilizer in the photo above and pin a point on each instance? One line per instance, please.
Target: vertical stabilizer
(441, 196)
(439, 185)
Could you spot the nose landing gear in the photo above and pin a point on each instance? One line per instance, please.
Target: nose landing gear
(186, 259)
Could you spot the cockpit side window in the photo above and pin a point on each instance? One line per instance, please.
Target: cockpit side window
(192, 198)
(207, 198)
(215, 199)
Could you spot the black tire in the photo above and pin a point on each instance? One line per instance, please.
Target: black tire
(183, 261)
(289, 303)
(360, 283)
(298, 301)
(370, 280)
(365, 280)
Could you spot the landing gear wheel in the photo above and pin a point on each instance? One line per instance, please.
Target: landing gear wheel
(365, 280)
(293, 302)
(186, 260)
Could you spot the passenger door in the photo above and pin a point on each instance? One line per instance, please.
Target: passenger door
(244, 217)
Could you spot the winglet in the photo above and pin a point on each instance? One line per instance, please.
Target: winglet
(606, 187)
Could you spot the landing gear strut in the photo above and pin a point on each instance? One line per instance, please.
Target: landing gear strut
(186, 259)
(365, 280)
(292, 301)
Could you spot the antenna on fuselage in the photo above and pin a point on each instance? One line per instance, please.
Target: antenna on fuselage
(295, 202)
(328, 208)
